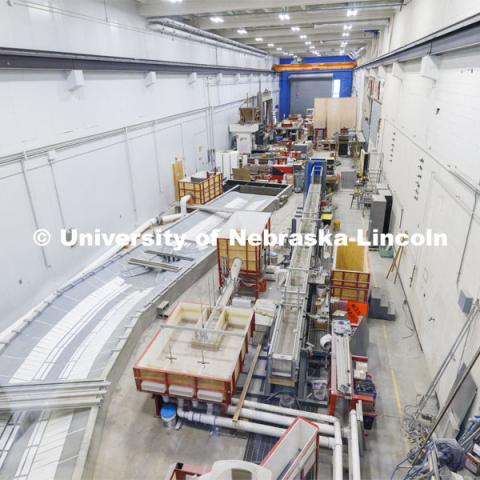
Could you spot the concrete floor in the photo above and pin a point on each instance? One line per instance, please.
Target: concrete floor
(135, 445)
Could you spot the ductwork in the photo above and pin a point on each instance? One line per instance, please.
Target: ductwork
(160, 24)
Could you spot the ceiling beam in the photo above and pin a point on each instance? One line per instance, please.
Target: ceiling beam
(327, 29)
(265, 20)
(317, 40)
(164, 8)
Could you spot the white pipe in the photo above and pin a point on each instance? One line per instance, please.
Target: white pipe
(209, 419)
(183, 204)
(283, 420)
(177, 216)
(171, 218)
(318, 417)
(251, 427)
(356, 475)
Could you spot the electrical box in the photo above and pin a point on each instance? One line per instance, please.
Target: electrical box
(465, 302)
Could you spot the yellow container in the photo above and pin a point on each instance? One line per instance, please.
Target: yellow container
(336, 225)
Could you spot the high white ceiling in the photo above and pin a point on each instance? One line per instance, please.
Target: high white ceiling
(325, 23)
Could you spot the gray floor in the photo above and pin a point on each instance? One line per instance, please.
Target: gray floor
(135, 445)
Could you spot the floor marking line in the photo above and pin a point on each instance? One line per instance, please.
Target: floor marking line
(396, 391)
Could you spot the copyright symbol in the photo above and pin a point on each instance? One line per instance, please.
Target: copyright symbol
(41, 237)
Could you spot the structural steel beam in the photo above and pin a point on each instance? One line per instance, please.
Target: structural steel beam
(50, 60)
(271, 19)
(464, 34)
(150, 8)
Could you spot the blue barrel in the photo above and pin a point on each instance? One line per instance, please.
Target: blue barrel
(168, 414)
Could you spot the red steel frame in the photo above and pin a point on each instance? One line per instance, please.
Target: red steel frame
(284, 434)
(255, 275)
(335, 394)
(182, 470)
(229, 386)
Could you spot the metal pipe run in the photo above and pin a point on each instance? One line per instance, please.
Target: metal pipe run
(155, 23)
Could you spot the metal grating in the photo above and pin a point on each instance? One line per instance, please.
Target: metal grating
(258, 447)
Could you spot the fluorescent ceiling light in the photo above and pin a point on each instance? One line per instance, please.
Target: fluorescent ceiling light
(303, 37)
(175, 1)
(259, 39)
(271, 44)
(279, 49)
(295, 29)
(311, 47)
(308, 43)
(284, 16)
(352, 12)
(242, 31)
(345, 34)
(216, 19)
(347, 26)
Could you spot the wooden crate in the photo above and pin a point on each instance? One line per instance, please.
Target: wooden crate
(201, 191)
(350, 278)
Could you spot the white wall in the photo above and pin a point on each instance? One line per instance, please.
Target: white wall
(428, 128)
(420, 18)
(88, 26)
(122, 136)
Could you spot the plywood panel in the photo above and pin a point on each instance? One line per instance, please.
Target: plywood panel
(320, 112)
(177, 170)
(341, 113)
(335, 113)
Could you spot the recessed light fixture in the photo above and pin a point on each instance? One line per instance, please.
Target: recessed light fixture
(259, 39)
(303, 37)
(295, 29)
(347, 26)
(352, 12)
(345, 34)
(271, 44)
(279, 49)
(308, 43)
(284, 16)
(242, 31)
(216, 19)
